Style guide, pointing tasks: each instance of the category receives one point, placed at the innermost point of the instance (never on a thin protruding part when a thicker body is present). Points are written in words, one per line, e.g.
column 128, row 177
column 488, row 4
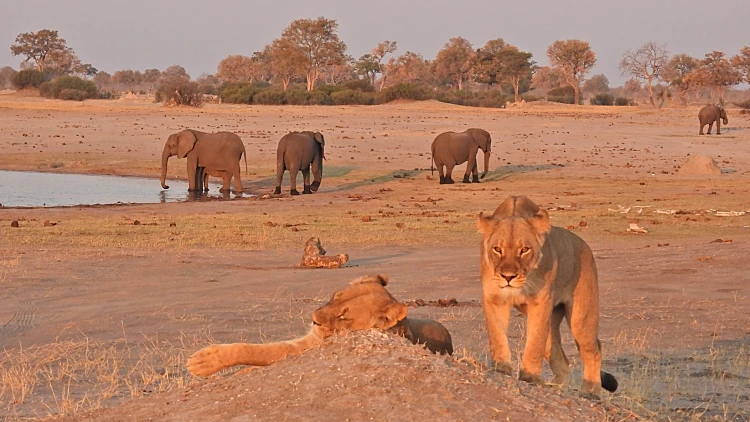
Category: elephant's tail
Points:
column 432, row 161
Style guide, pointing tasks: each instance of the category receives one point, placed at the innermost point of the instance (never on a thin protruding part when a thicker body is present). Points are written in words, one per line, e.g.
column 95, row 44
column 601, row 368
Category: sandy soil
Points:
column 112, row 309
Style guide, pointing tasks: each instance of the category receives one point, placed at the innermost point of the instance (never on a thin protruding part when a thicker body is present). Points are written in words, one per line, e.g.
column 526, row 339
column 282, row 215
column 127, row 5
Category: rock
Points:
column 367, row 219
column 400, row 225
column 136, row 222
column 700, row 165
column 47, row 223
column 14, row 223
column 172, row 224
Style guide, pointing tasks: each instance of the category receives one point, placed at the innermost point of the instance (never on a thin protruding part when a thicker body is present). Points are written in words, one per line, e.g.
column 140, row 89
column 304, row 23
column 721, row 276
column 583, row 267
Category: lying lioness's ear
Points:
column 540, row 222
column 383, row 279
column 484, row 223
column 392, row 314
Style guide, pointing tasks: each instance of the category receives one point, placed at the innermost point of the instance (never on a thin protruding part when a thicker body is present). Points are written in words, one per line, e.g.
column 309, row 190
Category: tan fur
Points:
column 547, row 273
column 313, row 256
column 363, row 304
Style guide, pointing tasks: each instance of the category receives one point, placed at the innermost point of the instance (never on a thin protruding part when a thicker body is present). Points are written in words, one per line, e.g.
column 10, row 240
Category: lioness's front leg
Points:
column 212, row 359
column 497, row 315
column 537, row 329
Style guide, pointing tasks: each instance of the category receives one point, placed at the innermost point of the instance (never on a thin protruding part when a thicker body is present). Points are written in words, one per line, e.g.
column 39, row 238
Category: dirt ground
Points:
column 97, row 311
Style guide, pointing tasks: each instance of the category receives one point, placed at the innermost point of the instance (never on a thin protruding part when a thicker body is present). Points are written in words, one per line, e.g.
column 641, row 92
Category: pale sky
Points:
column 140, row 34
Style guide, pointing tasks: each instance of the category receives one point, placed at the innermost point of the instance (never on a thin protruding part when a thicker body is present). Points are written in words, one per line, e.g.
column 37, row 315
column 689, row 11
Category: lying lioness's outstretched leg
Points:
column 554, row 353
column 212, row 359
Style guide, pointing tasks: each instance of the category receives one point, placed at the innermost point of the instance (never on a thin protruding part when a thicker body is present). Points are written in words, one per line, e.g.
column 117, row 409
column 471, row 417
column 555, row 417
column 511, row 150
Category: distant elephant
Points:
column 710, row 114
column 452, row 148
column 219, row 152
column 298, row 151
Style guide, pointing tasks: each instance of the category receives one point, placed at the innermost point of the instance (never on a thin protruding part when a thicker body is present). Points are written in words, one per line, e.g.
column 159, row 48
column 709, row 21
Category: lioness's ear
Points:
column 392, row 314
column 383, row 279
column 540, row 222
column 484, row 223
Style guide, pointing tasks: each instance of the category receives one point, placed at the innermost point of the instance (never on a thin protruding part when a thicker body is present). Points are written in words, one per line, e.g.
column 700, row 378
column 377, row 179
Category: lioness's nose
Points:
column 508, row 277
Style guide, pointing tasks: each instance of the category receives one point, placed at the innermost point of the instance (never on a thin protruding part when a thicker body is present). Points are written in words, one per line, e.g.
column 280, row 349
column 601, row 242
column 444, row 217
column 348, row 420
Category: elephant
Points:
column 710, row 114
column 219, row 153
column 300, row 151
column 452, row 148
column 224, row 175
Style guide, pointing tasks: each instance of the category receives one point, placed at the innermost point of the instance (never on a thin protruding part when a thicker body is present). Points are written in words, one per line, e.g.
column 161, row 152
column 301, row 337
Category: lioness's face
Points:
column 511, row 250
column 364, row 304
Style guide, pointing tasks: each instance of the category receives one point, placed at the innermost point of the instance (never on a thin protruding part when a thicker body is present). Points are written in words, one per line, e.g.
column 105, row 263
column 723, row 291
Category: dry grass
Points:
column 67, row 377
column 7, row 268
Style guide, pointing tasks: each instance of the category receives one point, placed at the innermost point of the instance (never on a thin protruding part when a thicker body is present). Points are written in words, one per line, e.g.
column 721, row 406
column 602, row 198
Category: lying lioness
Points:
column 362, row 305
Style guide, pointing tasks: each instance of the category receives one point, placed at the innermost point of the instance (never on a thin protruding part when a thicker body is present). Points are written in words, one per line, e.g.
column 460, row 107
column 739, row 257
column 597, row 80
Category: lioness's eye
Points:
column 498, row 250
column 525, row 249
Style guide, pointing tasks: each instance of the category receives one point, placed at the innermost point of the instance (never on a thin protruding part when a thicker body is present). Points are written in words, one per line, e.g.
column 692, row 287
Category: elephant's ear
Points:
column 483, row 139
column 319, row 137
column 185, row 142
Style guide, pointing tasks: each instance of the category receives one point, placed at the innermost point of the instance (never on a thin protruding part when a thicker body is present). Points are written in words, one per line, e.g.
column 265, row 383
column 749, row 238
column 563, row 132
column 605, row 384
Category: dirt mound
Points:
column 700, row 165
column 363, row 376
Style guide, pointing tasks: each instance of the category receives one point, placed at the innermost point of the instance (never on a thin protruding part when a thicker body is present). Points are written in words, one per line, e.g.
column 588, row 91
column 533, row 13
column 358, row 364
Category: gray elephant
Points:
column 219, row 152
column 710, row 114
column 452, row 148
column 299, row 151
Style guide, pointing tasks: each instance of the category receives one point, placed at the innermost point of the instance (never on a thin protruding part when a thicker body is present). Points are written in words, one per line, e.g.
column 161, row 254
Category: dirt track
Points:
column 675, row 315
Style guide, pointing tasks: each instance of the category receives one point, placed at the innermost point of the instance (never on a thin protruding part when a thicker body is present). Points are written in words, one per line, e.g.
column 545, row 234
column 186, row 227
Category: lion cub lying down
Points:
column 548, row 274
column 363, row 304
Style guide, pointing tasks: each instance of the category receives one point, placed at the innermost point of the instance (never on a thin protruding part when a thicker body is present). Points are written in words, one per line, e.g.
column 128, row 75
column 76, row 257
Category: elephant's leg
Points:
column 279, row 175
column 205, row 181
column 441, row 172
column 474, row 174
column 701, row 131
column 192, row 172
column 237, row 180
column 293, row 181
column 448, row 172
column 718, row 127
column 710, row 126
column 306, row 181
column 227, row 178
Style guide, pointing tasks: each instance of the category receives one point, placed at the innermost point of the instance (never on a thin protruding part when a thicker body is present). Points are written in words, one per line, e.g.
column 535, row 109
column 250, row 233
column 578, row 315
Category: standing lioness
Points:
column 547, row 273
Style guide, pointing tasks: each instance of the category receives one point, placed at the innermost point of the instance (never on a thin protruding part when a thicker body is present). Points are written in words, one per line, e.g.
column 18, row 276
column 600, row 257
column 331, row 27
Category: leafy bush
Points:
column 490, row 99
column 270, row 96
column 238, row 93
column 180, row 91
column 350, row 97
column 83, row 89
column 602, row 100
column 29, row 78
column 319, row 98
column 330, row 89
column 73, row 94
column 564, row 95
column 297, row 97
column 403, row 91
column 744, row 105
column 363, row 85
column 622, row 101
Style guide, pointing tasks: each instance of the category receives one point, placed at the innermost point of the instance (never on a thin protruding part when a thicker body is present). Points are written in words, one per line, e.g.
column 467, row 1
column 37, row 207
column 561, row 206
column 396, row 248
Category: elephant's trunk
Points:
column 486, row 163
column 164, row 158
column 726, row 121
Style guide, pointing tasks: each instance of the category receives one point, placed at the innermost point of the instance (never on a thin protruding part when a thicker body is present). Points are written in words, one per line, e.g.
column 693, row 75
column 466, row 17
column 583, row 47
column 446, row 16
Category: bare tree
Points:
column 317, row 46
column 597, row 84
column 547, row 78
column 574, row 59
column 102, row 79
column 455, row 61
column 127, row 78
column 409, row 67
column 6, row 73
column 645, row 64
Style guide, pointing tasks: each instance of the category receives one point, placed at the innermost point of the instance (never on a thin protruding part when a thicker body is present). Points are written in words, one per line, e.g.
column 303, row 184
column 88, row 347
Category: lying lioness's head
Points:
column 364, row 304
column 512, row 241
column 314, row 248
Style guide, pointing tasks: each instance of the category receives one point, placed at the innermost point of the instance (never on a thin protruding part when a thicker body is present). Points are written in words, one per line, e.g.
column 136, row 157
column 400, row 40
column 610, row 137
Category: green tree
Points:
column 646, row 64
column 455, row 61
column 487, row 68
column 314, row 45
column 368, row 67
column 38, row 46
column 282, row 61
column 742, row 63
column 715, row 72
column 676, row 73
column 597, row 84
column 515, row 66
column 574, row 59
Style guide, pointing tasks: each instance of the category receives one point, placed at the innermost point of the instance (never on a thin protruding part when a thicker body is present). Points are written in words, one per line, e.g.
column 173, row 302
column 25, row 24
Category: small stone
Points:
column 294, row 229
column 400, row 225
column 366, row 219
column 136, row 222
column 173, row 224
column 14, row 223
column 47, row 223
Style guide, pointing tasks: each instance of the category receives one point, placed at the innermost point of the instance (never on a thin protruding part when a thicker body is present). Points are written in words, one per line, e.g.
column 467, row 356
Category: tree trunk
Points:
column 517, row 97
column 460, row 83
column 577, row 90
column 285, row 82
column 650, row 91
column 312, row 77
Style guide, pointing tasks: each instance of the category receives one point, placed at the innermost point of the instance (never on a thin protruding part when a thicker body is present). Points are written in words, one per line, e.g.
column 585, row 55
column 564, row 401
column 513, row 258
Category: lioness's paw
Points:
column 503, row 368
column 205, row 362
column 530, row 378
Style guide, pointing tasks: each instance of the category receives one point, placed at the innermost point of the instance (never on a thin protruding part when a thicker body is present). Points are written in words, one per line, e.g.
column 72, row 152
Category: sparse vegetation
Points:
column 602, row 100
column 29, row 78
column 69, row 88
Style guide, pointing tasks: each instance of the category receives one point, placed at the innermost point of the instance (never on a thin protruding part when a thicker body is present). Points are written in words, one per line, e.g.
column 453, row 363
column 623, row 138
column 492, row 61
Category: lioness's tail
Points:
column 609, row 382
column 212, row 359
